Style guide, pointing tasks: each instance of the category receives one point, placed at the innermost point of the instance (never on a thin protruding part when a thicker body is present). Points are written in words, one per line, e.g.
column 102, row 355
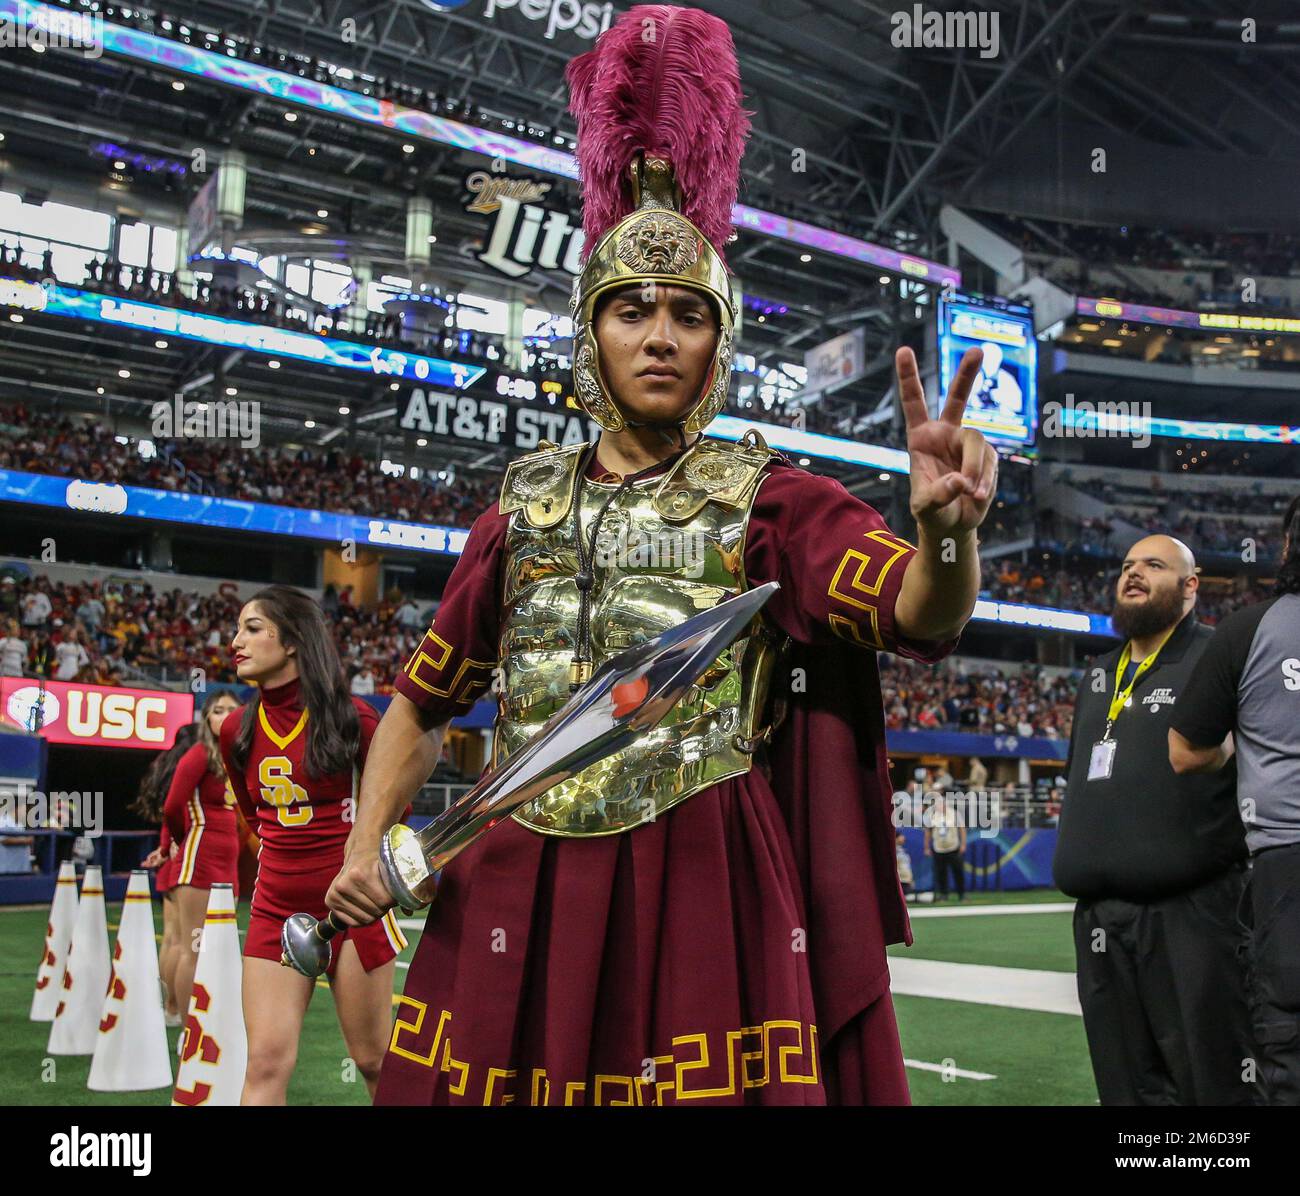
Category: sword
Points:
column 628, row 696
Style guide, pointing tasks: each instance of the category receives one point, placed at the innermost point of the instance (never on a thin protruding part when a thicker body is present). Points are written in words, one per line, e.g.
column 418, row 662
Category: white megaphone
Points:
column 214, row 1050
column 58, row 938
column 85, row 979
column 131, row 1054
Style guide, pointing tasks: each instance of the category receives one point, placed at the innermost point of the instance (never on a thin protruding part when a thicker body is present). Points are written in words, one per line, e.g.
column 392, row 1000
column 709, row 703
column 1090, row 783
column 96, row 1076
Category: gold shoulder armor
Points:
column 713, row 471
column 541, row 484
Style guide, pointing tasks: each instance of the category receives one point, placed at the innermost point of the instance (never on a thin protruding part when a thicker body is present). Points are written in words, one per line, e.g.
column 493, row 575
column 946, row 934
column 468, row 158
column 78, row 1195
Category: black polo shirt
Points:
column 1145, row 832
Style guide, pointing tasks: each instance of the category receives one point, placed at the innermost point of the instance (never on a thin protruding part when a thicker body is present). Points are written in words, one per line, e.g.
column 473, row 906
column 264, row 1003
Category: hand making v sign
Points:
column 954, row 470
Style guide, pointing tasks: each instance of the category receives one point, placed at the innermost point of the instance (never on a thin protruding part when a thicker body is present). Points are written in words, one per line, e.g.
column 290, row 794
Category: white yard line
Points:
column 981, row 984
column 975, row 911
column 411, row 923
column 960, row 1072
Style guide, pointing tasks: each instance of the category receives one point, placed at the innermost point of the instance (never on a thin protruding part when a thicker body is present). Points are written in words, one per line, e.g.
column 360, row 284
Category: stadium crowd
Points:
column 295, row 312
column 1082, row 585
column 1213, row 265
column 1207, row 535
column 334, row 480
column 120, row 633
column 329, row 480
column 978, row 699
column 322, row 479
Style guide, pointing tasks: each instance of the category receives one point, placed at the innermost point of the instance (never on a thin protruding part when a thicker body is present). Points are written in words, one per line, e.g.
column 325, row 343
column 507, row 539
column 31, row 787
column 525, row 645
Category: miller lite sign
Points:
column 522, row 235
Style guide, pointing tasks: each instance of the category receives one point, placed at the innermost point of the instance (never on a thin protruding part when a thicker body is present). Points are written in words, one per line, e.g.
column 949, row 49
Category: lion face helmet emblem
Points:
column 661, row 243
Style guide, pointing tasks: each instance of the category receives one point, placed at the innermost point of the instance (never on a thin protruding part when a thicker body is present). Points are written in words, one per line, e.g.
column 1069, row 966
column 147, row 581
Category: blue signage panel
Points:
column 56, row 300
column 229, row 514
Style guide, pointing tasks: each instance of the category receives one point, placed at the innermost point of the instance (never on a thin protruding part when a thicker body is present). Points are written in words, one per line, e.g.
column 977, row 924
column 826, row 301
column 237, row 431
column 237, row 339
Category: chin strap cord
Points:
column 585, row 579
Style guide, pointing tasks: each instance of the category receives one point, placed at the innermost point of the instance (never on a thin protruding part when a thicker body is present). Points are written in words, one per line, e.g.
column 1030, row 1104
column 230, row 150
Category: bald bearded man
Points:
column 1156, row 860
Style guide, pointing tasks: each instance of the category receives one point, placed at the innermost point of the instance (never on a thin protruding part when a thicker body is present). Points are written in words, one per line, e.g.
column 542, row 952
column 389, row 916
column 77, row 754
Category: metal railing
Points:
column 983, row 812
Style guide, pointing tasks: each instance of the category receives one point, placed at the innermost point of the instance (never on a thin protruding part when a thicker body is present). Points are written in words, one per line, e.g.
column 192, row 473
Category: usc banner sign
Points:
column 99, row 715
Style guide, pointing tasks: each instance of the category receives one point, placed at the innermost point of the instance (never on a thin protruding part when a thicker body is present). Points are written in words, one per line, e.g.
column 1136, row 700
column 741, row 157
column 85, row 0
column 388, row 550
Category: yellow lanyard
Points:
column 1121, row 698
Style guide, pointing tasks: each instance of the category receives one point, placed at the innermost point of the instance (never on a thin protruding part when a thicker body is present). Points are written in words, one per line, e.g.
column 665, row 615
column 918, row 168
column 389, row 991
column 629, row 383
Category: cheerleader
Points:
column 199, row 815
column 149, row 805
column 294, row 755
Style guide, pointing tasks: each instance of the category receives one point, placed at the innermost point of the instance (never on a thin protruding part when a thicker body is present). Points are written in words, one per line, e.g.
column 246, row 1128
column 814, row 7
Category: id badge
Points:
column 1101, row 760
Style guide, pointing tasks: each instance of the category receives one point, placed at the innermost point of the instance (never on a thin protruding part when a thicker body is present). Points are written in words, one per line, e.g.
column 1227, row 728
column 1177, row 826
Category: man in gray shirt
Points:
column 1247, row 683
column 91, row 611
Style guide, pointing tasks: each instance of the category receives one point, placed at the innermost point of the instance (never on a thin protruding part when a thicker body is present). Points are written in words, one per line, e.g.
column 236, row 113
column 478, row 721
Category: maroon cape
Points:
column 732, row 951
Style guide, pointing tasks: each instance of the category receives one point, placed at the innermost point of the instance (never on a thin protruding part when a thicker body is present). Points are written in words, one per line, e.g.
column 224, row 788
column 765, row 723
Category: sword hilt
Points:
column 305, row 943
column 330, row 927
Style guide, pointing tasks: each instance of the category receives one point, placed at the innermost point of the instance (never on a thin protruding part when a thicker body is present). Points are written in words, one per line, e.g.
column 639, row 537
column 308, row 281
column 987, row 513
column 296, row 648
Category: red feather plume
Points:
column 662, row 81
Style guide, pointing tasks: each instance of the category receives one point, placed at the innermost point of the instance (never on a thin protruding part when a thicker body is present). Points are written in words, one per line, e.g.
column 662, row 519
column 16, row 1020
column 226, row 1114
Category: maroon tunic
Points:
column 733, row 950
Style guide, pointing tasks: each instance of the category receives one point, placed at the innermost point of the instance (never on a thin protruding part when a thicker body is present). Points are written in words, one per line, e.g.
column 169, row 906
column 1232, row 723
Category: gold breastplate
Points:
column 668, row 547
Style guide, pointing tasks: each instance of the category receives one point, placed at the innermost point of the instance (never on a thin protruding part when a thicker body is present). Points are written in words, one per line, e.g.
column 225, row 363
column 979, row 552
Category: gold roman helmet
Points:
column 655, row 244
column 660, row 136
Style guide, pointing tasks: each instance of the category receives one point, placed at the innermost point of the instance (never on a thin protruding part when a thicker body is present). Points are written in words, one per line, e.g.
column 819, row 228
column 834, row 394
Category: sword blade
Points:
column 628, row 696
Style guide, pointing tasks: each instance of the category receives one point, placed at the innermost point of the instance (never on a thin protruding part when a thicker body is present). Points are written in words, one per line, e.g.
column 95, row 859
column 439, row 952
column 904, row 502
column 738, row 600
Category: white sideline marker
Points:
column 960, row 1072
column 214, row 1044
column 976, row 911
column 983, row 984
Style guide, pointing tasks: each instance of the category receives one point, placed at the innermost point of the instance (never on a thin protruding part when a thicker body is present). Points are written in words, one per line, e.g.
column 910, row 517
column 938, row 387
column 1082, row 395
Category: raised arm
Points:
column 954, row 475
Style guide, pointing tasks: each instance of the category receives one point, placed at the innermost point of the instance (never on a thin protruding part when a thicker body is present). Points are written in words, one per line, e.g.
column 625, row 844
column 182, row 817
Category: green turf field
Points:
column 318, row 1080
column 1006, row 941
column 1034, row 1057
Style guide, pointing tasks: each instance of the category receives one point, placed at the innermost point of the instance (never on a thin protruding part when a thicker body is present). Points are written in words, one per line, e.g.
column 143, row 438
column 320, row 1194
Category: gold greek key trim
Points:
column 750, row 1053
column 848, row 629
column 897, row 546
column 451, row 1064
column 460, row 686
column 414, row 1027
column 495, row 1074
